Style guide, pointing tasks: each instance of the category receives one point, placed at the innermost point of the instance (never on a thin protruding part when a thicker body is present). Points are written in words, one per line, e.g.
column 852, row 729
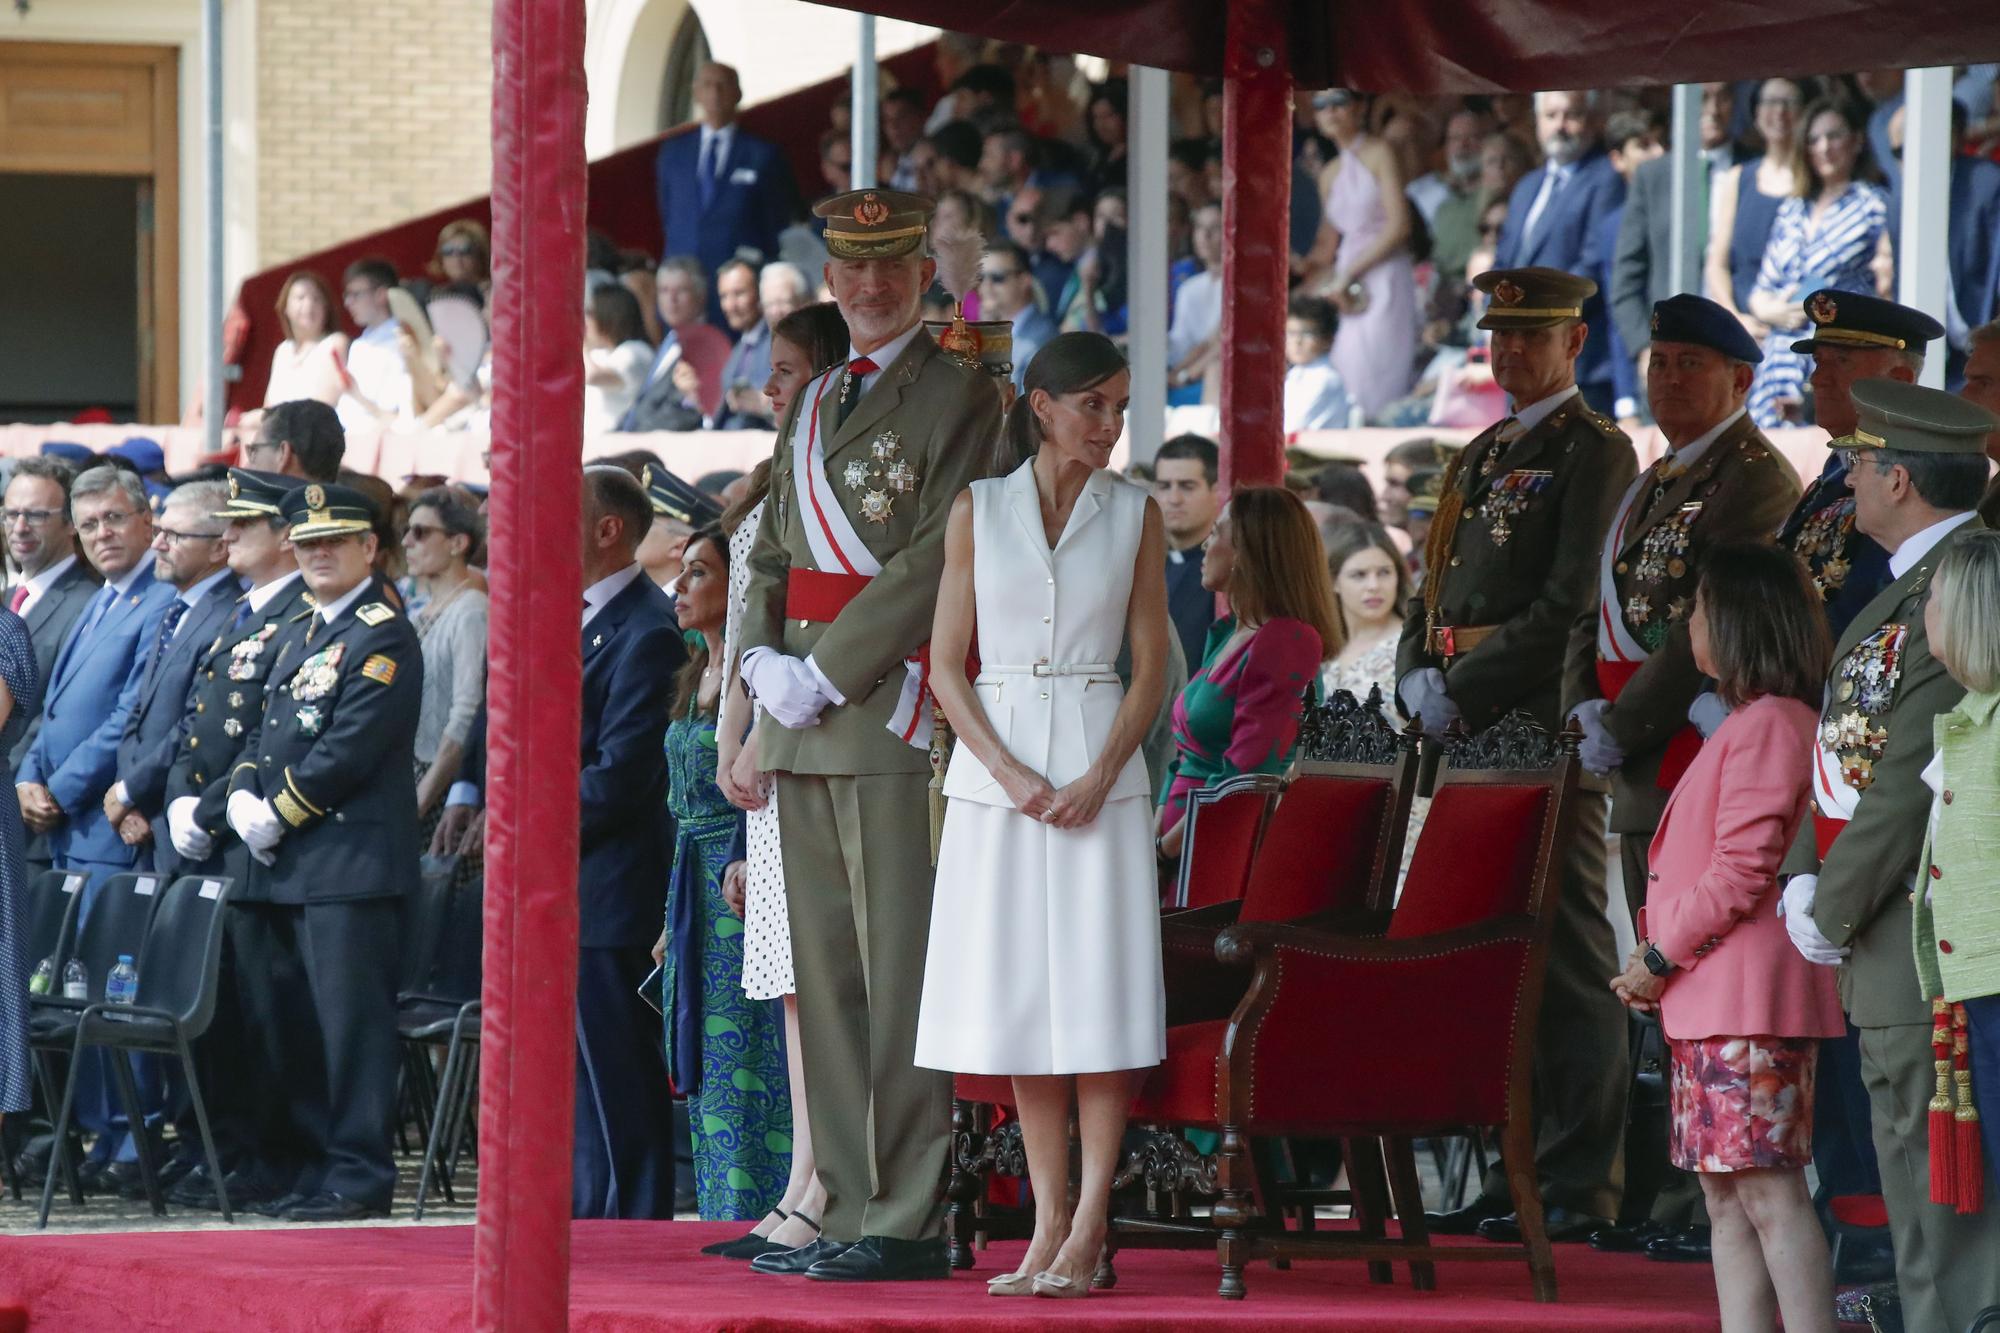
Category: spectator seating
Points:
column 438, row 1009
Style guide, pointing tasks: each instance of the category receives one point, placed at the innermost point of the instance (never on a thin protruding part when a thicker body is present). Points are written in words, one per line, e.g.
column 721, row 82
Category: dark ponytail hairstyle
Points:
column 1067, row 363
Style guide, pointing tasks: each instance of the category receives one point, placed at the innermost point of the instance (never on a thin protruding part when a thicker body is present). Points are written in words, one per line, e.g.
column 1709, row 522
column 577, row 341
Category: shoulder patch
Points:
column 380, row 668
column 374, row 613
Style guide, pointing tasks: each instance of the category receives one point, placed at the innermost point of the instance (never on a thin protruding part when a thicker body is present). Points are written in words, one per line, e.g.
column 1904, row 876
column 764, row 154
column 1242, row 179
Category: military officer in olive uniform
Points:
column 1854, row 337
column 843, row 584
column 325, row 798
column 1915, row 463
column 241, row 1051
column 1511, row 563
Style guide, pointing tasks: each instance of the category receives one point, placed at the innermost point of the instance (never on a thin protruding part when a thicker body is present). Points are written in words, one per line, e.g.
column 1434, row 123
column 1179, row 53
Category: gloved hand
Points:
column 262, row 857
column 254, row 821
column 786, row 687
column 1598, row 753
column 1796, row 907
column 1708, row 712
column 1423, row 696
column 189, row 839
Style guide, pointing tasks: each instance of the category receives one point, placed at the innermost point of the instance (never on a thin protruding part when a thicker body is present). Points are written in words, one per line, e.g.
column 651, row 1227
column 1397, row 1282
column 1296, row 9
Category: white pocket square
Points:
column 743, row 176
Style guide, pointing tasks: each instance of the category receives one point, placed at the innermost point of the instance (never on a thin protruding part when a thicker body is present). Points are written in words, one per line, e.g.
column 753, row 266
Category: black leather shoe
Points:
column 246, row 1187
column 1626, row 1239
column 792, row 1263
column 1465, row 1221
column 326, row 1206
column 1685, row 1245
column 885, row 1259
column 278, row 1206
column 1561, row 1224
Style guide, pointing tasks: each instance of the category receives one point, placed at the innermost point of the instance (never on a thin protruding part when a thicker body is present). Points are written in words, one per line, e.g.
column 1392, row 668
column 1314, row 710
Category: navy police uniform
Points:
column 334, row 757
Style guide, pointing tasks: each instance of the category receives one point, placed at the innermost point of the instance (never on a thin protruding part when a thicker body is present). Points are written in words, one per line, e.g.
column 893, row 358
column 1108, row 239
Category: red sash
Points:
column 1682, row 746
column 1825, row 830
column 813, row 594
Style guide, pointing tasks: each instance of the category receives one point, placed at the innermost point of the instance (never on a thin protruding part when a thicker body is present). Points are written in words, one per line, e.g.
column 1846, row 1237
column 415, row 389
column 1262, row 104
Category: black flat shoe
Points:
column 885, row 1259
column 723, row 1247
column 328, row 1206
column 1465, row 1221
column 1560, row 1224
column 1630, row 1239
column 1683, row 1245
column 793, row 1263
column 754, row 1246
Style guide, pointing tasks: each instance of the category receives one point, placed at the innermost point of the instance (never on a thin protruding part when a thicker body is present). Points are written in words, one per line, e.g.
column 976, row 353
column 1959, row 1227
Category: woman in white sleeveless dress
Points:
column 1044, row 958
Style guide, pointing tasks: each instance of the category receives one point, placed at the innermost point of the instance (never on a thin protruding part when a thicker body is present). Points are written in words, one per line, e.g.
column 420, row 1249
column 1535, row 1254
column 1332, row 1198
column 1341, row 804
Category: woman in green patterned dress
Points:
column 723, row 1048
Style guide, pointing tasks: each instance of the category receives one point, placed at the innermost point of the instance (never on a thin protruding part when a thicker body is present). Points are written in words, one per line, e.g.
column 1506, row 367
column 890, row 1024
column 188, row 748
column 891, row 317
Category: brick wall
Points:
column 368, row 112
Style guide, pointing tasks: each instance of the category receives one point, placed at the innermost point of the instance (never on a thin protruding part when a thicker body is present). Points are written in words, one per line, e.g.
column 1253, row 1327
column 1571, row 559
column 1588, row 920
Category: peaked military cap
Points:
column 673, row 498
column 1850, row 319
column 1890, row 414
column 322, row 509
column 255, row 494
column 1532, row 298
column 874, row 224
column 1687, row 318
column 1426, row 491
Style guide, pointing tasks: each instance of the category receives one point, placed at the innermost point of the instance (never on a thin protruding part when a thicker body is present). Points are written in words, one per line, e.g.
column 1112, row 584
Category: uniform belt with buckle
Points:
column 1450, row 641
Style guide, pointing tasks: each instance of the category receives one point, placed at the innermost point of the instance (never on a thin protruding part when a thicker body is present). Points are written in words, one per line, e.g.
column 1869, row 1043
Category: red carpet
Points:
column 634, row 1276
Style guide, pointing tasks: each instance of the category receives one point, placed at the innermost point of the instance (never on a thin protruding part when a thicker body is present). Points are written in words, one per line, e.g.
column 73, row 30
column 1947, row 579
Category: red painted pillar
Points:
column 528, row 1048
column 1256, row 212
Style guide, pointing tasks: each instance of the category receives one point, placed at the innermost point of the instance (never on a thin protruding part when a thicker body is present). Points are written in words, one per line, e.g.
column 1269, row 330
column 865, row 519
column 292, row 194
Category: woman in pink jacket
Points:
column 1742, row 1011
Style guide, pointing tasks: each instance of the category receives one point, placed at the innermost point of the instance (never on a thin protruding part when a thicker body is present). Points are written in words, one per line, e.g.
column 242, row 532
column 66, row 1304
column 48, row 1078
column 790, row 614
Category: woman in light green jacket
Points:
column 1957, row 905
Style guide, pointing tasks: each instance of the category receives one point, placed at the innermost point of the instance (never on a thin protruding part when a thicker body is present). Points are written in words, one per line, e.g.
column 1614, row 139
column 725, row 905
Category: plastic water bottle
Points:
column 76, row 980
column 122, row 986
column 44, row 978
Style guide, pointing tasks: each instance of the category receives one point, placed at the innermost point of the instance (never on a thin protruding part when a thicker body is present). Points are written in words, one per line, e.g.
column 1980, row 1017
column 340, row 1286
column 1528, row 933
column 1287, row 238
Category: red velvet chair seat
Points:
column 1182, row 1089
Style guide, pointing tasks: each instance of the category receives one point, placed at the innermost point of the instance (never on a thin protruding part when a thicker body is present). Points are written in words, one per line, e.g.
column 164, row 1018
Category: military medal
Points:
column 243, row 657
column 1669, row 539
column 311, row 720
column 1679, row 608
column 875, row 506
column 1638, row 609
column 1822, row 543
column 236, row 698
column 1508, row 498
column 317, row 676
column 855, row 474
column 881, row 477
column 902, row 477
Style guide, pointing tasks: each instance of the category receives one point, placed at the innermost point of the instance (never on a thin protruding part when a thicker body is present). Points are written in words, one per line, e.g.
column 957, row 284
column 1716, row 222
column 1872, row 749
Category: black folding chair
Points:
column 422, row 922
column 447, row 1013
column 50, row 932
column 121, row 910
column 179, row 966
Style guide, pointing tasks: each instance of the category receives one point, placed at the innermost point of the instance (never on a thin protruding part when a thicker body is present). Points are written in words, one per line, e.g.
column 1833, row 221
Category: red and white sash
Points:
column 1615, row 640
column 838, row 549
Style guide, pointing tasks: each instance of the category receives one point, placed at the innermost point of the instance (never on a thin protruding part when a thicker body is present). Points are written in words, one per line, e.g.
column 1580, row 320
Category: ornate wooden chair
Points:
column 1424, row 1030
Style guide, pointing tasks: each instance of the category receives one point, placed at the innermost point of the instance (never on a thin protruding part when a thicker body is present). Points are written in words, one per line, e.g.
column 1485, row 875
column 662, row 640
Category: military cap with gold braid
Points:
column 673, row 498
column 255, row 494
column 1532, row 298
column 1890, row 414
column 1850, row 319
column 874, row 224
column 321, row 509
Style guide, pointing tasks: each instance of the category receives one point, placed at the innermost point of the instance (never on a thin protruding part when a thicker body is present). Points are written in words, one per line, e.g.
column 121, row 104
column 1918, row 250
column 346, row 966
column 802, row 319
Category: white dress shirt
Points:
column 190, row 595
column 883, row 356
column 262, row 595
column 1685, row 456
column 599, row 594
column 1919, row 544
column 332, row 611
column 1535, row 413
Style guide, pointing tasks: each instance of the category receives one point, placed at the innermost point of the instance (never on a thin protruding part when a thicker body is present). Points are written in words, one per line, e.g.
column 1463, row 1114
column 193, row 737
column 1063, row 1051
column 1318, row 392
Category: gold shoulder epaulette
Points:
column 374, row 613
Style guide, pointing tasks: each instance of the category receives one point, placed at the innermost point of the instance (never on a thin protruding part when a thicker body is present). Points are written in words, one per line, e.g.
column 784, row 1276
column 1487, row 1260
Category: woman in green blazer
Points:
column 1957, row 906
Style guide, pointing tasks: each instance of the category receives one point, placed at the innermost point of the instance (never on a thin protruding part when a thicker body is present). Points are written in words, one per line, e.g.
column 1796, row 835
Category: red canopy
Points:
column 1484, row 46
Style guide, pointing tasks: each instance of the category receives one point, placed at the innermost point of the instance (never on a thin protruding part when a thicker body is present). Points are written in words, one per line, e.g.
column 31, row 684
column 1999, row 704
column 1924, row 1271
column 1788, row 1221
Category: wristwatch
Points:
column 1656, row 962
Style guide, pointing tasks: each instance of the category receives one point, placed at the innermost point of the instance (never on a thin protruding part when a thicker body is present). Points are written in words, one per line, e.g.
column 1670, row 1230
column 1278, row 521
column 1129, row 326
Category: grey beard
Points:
column 1562, row 149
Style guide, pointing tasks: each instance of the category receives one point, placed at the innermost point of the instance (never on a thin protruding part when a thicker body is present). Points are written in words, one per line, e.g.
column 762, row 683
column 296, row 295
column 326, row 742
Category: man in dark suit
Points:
column 54, row 584
column 1556, row 215
column 188, row 553
column 325, row 797
column 721, row 191
column 623, row 1156
column 242, row 1053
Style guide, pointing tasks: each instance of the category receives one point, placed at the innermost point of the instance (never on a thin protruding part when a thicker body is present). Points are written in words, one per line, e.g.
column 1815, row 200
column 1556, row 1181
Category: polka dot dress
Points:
column 767, row 926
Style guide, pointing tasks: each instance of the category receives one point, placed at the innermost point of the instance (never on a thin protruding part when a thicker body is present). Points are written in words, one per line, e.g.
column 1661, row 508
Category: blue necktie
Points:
column 166, row 634
column 242, row 614
column 99, row 604
column 705, row 172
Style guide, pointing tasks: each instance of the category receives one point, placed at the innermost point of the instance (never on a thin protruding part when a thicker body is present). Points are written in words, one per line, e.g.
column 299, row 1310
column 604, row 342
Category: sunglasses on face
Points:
column 1327, row 101
column 456, row 250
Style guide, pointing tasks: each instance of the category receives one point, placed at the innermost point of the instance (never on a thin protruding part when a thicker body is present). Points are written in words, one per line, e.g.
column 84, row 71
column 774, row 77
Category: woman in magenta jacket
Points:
column 1742, row 1011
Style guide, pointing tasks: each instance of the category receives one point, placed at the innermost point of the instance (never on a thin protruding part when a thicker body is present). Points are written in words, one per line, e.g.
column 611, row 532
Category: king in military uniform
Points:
column 1915, row 464
column 242, row 1050
column 324, row 796
column 1854, row 337
column 1510, row 563
column 843, row 584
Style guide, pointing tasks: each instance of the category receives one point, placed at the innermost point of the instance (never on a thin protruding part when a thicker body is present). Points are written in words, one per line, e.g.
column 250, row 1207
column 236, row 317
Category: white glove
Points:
column 786, row 687
column 254, row 821
column 262, row 857
column 1424, row 698
column 1796, row 907
column 1708, row 713
column 1598, row 753
column 189, row 839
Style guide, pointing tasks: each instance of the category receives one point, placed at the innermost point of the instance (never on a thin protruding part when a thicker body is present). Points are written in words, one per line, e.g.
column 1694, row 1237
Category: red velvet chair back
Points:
column 1324, row 847
column 1224, row 824
column 1476, row 858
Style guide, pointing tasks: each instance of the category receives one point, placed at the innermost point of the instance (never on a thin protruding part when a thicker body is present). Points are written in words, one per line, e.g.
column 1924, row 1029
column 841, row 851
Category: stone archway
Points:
column 629, row 48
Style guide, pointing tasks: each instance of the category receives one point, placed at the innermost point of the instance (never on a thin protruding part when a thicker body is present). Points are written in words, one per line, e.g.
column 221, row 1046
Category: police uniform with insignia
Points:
column 674, row 498
column 1855, row 866
column 1509, row 565
column 333, row 758
column 241, row 1051
column 844, row 582
column 1631, row 647
column 1847, row 567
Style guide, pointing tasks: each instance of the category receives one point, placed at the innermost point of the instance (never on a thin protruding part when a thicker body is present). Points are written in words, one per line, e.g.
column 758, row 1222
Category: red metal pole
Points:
column 528, row 1033
column 1256, row 208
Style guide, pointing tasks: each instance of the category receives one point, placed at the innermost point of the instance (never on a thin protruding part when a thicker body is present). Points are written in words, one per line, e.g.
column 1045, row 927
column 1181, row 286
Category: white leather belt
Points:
column 1050, row 669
